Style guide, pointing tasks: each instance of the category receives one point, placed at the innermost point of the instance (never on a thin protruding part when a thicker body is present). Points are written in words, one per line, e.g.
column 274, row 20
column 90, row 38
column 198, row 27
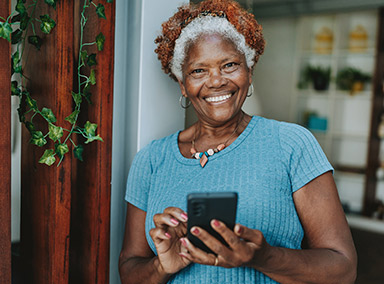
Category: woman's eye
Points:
column 197, row 71
column 231, row 66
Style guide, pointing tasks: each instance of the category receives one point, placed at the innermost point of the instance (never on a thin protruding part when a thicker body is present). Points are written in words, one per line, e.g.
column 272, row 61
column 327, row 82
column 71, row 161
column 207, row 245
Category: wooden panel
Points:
column 5, row 153
column 90, row 229
column 46, row 191
column 377, row 111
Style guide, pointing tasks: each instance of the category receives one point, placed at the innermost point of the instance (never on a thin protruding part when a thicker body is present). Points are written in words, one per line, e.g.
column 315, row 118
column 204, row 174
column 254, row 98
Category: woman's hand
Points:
column 170, row 227
column 247, row 247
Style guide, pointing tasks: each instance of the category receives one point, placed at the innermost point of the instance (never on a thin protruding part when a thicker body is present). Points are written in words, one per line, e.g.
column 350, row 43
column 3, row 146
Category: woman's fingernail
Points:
column 195, row 231
column 182, row 255
column 174, row 221
column 183, row 242
column 167, row 235
column 184, row 216
column 216, row 223
column 239, row 229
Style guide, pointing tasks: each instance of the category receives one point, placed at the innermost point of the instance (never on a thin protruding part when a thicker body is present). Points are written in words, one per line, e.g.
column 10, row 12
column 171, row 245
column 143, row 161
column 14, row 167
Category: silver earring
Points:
column 250, row 91
column 187, row 104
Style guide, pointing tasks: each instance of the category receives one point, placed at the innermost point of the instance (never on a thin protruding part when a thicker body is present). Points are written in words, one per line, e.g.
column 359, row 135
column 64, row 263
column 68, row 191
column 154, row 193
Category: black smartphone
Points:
column 203, row 207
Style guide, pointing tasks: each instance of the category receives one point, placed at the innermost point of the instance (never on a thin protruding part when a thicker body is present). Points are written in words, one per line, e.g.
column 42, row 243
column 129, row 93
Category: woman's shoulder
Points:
column 157, row 147
column 286, row 134
column 279, row 128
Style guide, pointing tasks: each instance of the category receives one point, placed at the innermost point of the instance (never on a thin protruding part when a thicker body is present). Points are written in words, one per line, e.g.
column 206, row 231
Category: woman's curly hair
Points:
column 243, row 21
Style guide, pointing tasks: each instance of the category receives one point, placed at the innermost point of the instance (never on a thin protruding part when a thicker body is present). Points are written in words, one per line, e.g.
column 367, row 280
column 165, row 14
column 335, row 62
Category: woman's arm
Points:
column 330, row 256
column 137, row 262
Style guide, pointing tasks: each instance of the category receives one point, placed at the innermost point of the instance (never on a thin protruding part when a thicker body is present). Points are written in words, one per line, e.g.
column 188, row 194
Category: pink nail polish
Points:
column 239, row 229
column 216, row 223
column 167, row 235
column 174, row 221
column 184, row 216
column 195, row 231
column 183, row 242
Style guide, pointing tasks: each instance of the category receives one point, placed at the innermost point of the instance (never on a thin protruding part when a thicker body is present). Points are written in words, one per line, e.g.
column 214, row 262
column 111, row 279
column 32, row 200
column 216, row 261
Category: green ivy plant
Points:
column 14, row 29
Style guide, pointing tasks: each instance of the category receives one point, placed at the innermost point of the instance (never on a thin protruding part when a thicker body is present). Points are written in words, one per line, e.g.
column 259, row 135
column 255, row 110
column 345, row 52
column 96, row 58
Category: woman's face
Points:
column 215, row 78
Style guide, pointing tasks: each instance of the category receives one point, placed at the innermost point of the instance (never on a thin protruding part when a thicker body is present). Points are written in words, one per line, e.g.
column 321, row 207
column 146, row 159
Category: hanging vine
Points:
column 14, row 29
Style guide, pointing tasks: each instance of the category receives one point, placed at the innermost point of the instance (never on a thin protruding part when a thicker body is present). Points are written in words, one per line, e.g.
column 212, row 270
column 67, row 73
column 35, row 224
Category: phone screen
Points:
column 203, row 207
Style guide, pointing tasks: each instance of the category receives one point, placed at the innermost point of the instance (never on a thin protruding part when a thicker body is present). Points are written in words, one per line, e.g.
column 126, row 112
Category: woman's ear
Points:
column 182, row 88
column 250, row 75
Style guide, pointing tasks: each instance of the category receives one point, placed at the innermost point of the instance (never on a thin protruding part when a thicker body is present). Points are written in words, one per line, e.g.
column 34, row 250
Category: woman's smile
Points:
column 216, row 79
column 218, row 99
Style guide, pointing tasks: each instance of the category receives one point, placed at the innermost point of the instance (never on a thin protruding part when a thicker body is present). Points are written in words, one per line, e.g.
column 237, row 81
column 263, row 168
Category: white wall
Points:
column 273, row 74
column 146, row 103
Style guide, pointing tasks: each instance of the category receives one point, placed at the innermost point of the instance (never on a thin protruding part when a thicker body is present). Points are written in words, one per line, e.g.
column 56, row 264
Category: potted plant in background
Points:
column 319, row 76
column 352, row 79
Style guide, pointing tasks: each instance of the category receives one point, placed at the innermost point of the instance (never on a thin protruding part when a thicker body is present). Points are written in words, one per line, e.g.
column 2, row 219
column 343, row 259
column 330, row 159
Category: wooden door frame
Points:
column 5, row 152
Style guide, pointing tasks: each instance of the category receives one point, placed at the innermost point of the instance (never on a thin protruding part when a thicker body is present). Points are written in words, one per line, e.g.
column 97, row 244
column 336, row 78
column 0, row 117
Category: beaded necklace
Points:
column 203, row 156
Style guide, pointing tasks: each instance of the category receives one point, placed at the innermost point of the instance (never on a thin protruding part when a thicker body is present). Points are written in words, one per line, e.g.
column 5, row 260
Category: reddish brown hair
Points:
column 243, row 21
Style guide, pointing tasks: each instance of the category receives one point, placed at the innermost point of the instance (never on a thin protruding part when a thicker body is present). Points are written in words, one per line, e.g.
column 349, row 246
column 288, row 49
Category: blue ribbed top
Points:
column 267, row 163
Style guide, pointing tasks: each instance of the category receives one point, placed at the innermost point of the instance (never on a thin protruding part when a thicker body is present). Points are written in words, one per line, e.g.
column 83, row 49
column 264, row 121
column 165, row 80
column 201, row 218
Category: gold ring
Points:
column 216, row 261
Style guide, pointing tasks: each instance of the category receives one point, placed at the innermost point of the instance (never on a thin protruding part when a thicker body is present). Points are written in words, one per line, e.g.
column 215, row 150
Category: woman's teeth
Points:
column 218, row 99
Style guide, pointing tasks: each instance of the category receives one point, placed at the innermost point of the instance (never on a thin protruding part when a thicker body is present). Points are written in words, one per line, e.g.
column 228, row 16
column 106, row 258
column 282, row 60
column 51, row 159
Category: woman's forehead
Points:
column 212, row 45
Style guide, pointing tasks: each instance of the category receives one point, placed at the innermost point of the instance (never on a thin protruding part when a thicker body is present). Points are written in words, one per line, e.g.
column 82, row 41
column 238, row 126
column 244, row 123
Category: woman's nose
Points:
column 216, row 79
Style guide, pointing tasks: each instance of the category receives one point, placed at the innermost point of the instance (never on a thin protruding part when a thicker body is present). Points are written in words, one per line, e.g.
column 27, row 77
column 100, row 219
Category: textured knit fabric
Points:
column 267, row 163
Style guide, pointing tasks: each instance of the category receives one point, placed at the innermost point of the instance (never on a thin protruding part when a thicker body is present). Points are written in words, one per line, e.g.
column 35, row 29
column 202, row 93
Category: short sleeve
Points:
column 139, row 178
column 304, row 157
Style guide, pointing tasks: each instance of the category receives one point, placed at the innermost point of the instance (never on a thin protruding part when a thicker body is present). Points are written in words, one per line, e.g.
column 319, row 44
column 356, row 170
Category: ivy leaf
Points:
column 5, row 31
column 90, row 131
column 51, row 3
column 30, row 126
column 90, row 128
column 84, row 56
column 20, row 7
column 55, row 132
column 78, row 152
column 93, row 138
column 20, row 112
column 48, row 114
column 47, row 24
column 15, row 67
column 15, row 91
column 31, row 103
column 16, row 58
column 61, row 149
column 16, row 36
column 92, row 60
column 92, row 77
column 35, row 40
column 100, row 11
column 100, row 39
column 87, row 93
column 38, row 139
column 24, row 21
column 16, row 18
column 72, row 117
column 77, row 98
column 48, row 158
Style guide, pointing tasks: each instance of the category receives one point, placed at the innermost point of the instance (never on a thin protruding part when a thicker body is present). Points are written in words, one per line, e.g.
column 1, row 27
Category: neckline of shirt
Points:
column 232, row 146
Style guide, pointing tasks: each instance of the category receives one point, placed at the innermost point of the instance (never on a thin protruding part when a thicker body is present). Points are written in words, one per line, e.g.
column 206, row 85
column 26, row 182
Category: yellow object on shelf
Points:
column 358, row 39
column 324, row 41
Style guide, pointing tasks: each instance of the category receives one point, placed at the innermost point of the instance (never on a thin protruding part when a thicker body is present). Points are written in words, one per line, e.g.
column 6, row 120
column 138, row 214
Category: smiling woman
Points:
column 290, row 224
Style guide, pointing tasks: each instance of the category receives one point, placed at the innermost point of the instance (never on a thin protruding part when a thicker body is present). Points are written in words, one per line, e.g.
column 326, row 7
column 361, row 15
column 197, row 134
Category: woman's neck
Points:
column 207, row 135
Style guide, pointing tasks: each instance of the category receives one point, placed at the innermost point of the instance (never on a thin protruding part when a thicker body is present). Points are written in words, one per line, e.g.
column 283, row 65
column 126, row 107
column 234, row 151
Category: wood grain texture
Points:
column 90, row 232
column 5, row 153
column 46, row 191
column 377, row 110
